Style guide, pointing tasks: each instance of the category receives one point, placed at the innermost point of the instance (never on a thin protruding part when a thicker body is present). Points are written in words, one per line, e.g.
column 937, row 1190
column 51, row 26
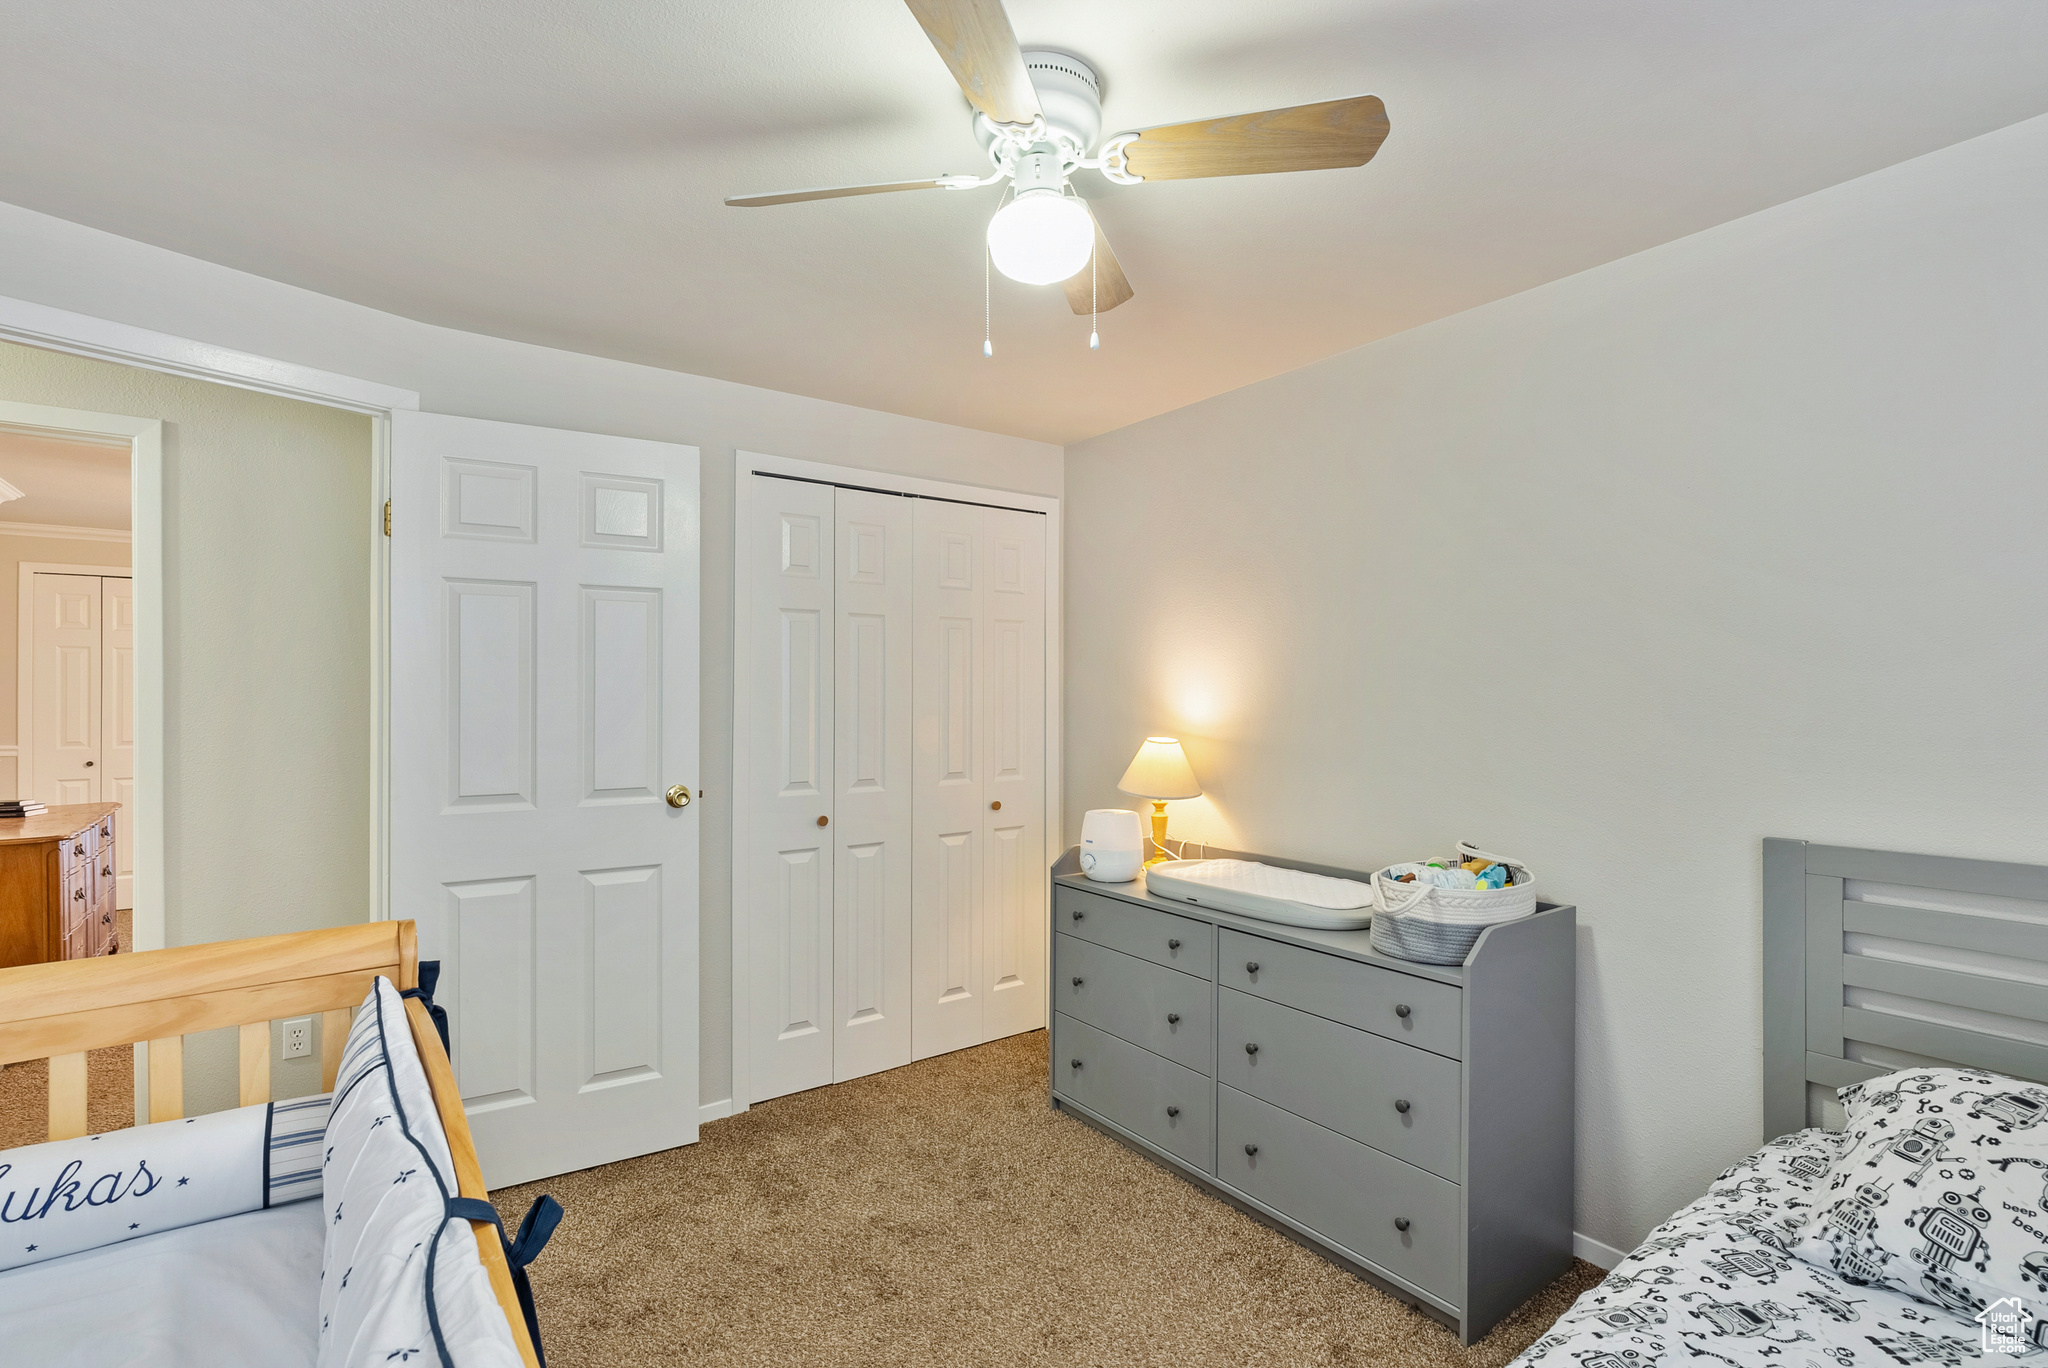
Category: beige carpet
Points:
column 110, row 1087
column 944, row 1214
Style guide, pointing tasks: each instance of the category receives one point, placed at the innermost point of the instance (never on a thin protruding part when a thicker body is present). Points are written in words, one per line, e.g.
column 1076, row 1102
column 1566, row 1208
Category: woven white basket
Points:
column 1460, row 906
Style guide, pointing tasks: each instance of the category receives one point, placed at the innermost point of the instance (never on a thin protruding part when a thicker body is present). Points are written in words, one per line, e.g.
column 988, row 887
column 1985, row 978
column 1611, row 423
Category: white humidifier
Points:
column 1112, row 848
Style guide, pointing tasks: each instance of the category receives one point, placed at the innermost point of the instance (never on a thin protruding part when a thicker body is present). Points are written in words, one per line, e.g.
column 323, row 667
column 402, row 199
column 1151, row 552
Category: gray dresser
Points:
column 1411, row 1122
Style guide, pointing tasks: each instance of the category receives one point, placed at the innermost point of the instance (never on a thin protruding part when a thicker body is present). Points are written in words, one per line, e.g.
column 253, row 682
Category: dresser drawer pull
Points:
column 1077, row 980
column 1251, row 1150
column 1251, row 1047
column 1173, row 1111
column 1251, row 966
column 1400, row 1223
column 1173, row 944
column 1075, row 1062
column 1401, row 1105
column 1173, row 1018
column 1402, row 1010
column 79, row 894
column 78, row 849
column 1077, row 914
column 106, row 871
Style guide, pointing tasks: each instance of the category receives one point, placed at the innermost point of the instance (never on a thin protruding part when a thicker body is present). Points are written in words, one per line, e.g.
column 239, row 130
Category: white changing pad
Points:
column 1292, row 897
column 242, row 1292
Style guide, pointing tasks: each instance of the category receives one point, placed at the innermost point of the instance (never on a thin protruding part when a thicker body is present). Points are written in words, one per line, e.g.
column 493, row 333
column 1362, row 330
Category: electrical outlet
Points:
column 298, row 1038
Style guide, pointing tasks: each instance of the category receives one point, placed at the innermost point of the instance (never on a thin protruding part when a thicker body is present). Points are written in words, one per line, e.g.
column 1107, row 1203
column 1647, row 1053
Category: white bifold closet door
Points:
column 978, row 920
column 829, row 796
column 892, row 779
column 543, row 702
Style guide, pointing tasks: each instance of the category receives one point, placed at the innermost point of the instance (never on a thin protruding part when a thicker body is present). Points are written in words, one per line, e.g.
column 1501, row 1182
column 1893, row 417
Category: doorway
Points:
column 68, row 520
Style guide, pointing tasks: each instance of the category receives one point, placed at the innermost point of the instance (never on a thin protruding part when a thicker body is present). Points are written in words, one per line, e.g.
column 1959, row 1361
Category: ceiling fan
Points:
column 1039, row 115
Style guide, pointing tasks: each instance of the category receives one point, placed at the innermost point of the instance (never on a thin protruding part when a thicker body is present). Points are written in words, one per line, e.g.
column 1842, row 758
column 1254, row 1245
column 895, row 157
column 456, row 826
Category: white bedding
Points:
column 1715, row 1283
column 240, row 1292
column 1293, row 897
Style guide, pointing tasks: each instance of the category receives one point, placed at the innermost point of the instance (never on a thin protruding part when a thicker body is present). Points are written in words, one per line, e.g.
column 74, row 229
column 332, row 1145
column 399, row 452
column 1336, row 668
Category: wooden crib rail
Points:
column 60, row 1011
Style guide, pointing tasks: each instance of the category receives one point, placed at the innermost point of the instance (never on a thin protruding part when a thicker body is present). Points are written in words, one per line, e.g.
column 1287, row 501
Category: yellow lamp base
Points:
column 1158, row 834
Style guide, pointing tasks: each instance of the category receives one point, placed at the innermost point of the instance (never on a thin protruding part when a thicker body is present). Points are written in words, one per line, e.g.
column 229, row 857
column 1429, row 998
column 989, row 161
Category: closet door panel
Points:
column 948, row 831
column 873, row 608
column 791, row 692
column 66, row 677
column 1013, row 901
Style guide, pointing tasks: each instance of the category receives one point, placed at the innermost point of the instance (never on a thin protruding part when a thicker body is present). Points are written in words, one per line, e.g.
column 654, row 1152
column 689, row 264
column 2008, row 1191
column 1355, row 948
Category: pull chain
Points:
column 988, row 332
column 1094, row 338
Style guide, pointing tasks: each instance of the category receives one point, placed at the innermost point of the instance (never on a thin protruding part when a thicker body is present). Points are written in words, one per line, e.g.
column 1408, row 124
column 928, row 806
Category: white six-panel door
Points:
column 543, row 700
column 69, row 680
column 1014, row 858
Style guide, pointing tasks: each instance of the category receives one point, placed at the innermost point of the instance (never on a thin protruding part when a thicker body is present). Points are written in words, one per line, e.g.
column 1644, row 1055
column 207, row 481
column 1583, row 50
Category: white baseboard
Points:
column 714, row 1111
column 1595, row 1253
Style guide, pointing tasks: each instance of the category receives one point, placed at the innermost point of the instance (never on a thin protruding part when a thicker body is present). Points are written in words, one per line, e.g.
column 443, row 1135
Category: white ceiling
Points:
column 67, row 481
column 551, row 170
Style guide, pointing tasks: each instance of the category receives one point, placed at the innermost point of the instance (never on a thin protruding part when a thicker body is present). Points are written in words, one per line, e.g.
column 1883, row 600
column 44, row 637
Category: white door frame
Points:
column 39, row 325
column 745, row 464
column 24, row 667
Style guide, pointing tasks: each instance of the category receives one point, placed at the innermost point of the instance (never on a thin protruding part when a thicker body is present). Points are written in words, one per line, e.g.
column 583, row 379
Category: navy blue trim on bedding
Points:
column 269, row 1115
column 534, row 1231
column 405, row 1129
column 291, row 1149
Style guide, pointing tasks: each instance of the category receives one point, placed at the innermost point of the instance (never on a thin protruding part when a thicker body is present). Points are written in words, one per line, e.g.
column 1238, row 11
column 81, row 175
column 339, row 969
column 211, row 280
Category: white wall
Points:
column 49, row 261
column 1744, row 536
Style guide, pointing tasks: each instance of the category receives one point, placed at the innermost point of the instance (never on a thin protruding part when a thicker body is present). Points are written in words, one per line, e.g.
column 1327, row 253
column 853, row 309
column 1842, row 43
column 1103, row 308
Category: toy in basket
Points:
column 1433, row 911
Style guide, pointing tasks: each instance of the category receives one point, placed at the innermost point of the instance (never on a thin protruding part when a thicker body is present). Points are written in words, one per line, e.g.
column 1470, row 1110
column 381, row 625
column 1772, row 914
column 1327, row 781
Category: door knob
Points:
column 824, row 821
column 996, row 806
column 679, row 796
column 88, row 764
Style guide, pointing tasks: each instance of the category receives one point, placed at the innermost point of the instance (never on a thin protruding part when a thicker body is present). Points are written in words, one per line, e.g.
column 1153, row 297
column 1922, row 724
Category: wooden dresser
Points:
column 57, row 885
column 1411, row 1122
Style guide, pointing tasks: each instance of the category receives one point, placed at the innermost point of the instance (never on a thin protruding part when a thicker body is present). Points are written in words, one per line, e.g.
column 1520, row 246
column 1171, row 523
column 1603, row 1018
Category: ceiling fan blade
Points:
column 836, row 192
column 1310, row 137
column 1108, row 286
column 979, row 47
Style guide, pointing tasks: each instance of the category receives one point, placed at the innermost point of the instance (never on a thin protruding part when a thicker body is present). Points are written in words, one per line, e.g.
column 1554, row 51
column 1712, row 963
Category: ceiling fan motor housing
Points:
column 1071, row 98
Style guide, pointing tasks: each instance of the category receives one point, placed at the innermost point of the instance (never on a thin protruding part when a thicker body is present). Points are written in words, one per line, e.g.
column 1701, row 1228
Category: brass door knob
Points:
column 996, row 806
column 679, row 796
column 824, row 821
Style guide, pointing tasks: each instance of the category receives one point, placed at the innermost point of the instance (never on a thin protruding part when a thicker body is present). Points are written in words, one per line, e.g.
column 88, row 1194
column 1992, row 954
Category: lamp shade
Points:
column 1160, row 770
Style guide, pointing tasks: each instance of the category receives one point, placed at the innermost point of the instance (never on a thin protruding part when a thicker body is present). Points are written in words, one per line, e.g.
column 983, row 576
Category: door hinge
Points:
column 387, row 517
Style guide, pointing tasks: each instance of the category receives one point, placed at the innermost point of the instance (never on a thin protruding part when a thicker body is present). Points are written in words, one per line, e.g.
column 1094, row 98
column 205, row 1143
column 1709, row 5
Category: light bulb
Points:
column 1041, row 237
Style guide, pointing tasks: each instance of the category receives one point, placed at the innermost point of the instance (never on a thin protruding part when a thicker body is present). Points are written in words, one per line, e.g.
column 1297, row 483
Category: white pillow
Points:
column 1938, row 1192
column 401, row 1281
column 72, row 1195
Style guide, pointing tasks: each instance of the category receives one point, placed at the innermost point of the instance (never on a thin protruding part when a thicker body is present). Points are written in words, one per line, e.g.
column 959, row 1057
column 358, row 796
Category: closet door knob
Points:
column 1400, row 1223
column 1251, row 1047
column 1173, row 944
column 1251, row 1149
column 996, row 806
column 1401, row 1105
column 679, row 796
column 1173, row 1111
column 1401, row 1009
column 1173, row 1018
column 824, row 821
column 1252, row 967
column 1077, row 980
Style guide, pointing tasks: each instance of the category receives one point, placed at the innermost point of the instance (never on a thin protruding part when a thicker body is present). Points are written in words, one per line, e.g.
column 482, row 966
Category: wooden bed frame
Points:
column 1876, row 960
column 60, row 1011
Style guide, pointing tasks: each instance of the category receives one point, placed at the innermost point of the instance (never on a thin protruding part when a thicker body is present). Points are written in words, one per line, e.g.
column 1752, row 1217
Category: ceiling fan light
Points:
column 1041, row 237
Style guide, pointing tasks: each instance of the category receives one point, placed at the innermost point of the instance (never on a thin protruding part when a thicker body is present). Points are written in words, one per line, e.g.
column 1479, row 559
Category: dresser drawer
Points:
column 1176, row 942
column 76, row 898
column 1391, row 1096
column 1349, row 1193
column 1168, row 1013
column 1153, row 1098
column 1404, row 1007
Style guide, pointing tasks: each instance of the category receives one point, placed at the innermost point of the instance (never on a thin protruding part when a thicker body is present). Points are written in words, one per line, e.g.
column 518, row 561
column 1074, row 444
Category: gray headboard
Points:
column 1875, row 961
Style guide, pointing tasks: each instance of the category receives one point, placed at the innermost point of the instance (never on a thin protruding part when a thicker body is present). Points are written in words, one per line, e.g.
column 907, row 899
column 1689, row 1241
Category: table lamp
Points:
column 1160, row 772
